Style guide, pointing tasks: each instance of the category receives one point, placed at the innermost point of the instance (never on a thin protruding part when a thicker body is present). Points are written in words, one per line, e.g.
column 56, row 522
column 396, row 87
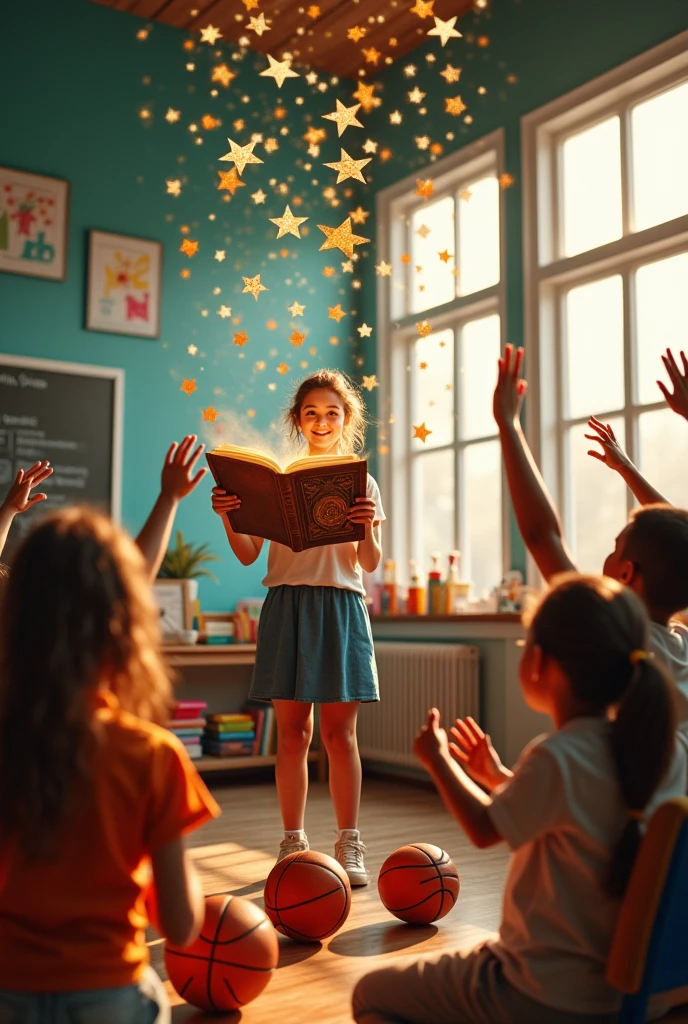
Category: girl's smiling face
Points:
column 321, row 420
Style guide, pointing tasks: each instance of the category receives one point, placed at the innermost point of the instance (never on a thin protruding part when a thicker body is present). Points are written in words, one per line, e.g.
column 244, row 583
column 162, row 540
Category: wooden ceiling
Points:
column 313, row 34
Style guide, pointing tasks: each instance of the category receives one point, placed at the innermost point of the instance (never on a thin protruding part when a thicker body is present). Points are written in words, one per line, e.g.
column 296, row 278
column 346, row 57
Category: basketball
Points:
column 307, row 896
column 231, row 961
column 418, row 883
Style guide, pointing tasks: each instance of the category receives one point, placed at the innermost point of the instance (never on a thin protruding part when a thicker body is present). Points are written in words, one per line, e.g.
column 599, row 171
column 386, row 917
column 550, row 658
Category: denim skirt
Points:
column 314, row 645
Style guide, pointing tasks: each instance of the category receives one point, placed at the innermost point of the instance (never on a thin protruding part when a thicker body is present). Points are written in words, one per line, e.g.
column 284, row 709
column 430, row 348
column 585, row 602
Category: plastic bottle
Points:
column 415, row 602
column 389, row 588
column 435, row 588
column 451, row 586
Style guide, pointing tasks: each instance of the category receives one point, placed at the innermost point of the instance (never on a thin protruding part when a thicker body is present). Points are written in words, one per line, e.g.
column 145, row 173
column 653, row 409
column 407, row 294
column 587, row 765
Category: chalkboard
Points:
column 71, row 415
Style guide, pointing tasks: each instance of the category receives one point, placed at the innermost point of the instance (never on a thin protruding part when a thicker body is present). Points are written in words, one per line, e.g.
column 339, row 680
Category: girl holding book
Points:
column 314, row 640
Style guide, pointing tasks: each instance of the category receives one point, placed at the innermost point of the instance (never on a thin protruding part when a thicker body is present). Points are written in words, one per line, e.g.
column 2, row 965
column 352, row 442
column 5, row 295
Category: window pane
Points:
column 432, row 231
column 481, row 506
column 661, row 290
column 663, row 447
column 433, row 499
column 480, row 347
column 597, row 500
column 591, row 187
column 659, row 139
column 432, row 379
column 478, row 264
column 594, row 378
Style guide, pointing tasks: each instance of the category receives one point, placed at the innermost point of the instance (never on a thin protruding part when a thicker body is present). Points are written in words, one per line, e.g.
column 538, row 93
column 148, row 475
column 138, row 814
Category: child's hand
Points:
column 678, row 401
column 473, row 749
column 362, row 511
column 223, row 502
column 19, row 497
column 176, row 481
column 510, row 389
column 612, row 453
column 431, row 743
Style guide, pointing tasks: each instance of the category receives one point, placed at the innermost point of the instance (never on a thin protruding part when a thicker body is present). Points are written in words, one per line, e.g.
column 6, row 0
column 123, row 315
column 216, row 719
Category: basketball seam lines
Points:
column 211, row 955
column 276, row 909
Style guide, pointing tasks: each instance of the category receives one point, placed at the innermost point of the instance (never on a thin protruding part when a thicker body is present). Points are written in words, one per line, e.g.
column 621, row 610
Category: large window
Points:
column 440, row 331
column 606, row 228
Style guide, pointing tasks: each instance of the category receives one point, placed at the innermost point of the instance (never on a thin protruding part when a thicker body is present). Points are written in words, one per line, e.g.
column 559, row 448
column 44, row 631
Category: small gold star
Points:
column 421, row 432
column 259, row 25
column 271, row 145
column 295, row 309
column 371, row 55
column 370, row 382
column 424, row 328
column 188, row 247
column 341, row 238
column 185, row 273
column 208, row 122
column 405, row 258
column 395, row 117
column 220, row 255
column 348, row 168
column 174, row 186
column 241, row 339
column 423, row 231
column 423, row 9
column 365, row 96
column 424, row 188
column 253, row 286
column 369, row 146
column 241, row 155
column 356, row 33
column 250, row 5
column 223, row 74
column 444, row 256
column 415, row 96
column 172, row 115
column 258, row 197
column 364, row 330
column 230, row 181
column 288, row 223
column 454, row 105
column 359, row 215
column 279, row 70
column 465, row 195
column 210, row 35
column 445, row 30
column 336, row 312
column 506, row 180
column 224, row 311
column 383, row 269
column 210, row 414
column 192, row 349
column 142, row 34
column 422, row 366
column 347, row 267
column 313, row 11
column 451, row 74
column 297, row 339
column 271, row 325
column 189, row 386
column 344, row 117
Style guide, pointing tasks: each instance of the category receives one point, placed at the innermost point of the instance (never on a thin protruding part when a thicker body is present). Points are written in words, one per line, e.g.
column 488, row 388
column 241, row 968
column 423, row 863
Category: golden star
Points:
column 422, row 366
column 364, row 330
column 348, row 168
column 210, row 414
column 259, row 24
column 383, row 269
column 172, row 115
column 192, row 349
column 295, row 309
column 174, row 186
column 454, row 105
column 395, row 117
column 271, row 145
column 279, row 70
column 313, row 11
column 359, row 215
column 405, row 258
column 222, row 74
column 185, row 273
column 282, row 368
column 371, row 55
column 370, row 382
column 224, row 311
column 365, row 96
column 188, row 247
column 210, row 35
column 241, row 155
column 423, row 231
column 421, row 432
column 189, row 386
column 451, row 74
column 356, row 33
column 230, row 181
column 297, row 339
column 423, row 9
column 424, row 188
column 369, row 146
column 253, row 286
column 347, row 267
column 258, row 197
column 415, row 96
column 336, row 312
column 344, row 117
column 422, row 141
column 424, row 328
column 444, row 256
column 250, row 5
column 272, row 325
column 241, row 339
column 288, row 223
column 315, row 135
column 445, row 30
column 220, row 255
column 341, row 238
column 506, row 180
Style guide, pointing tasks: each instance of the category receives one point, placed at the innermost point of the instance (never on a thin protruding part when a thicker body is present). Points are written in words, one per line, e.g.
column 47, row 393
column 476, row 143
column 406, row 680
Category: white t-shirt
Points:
column 670, row 645
column 332, row 565
column 562, row 815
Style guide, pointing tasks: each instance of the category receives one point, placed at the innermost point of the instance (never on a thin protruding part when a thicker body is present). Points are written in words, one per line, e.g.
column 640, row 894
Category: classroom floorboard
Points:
column 314, row 982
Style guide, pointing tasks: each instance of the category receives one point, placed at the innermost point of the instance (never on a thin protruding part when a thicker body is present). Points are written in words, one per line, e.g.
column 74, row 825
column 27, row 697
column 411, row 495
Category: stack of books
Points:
column 188, row 724
column 229, row 735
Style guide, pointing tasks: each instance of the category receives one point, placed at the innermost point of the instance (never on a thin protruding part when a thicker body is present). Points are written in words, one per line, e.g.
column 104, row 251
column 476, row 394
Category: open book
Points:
column 303, row 506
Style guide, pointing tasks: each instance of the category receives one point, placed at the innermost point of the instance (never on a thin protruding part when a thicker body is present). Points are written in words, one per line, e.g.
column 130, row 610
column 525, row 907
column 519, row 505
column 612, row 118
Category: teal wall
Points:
column 73, row 85
column 551, row 47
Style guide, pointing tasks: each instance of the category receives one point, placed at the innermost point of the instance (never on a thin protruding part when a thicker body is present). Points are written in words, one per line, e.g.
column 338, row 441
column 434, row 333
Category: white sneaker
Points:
column 349, row 850
column 293, row 842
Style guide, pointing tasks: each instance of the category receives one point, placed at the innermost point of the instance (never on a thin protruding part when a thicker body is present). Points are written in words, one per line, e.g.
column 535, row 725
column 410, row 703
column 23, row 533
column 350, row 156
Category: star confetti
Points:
column 241, row 155
column 344, row 117
column 421, row 432
column 347, row 267
column 416, row 96
column 370, row 382
column 172, row 115
column 188, row 247
column 395, row 117
column 241, row 339
column 283, row 368
column 365, row 96
column 424, row 188
column 188, row 386
column 451, row 74
column 174, row 186
column 250, row 5
column 271, row 145
column 423, row 9
column 364, row 330
column 253, row 286
column 348, row 167
column 297, row 338
column 315, row 135
column 222, row 74
column 208, row 122
column 506, row 180
column 224, row 311
column 328, row 271
column 336, row 312
column 465, row 195
column 210, row 414
column 295, row 309
column 423, row 231
column 371, row 55
column 356, row 33
column 444, row 256
column 210, row 35
column 258, row 197
column 192, row 349
column 230, row 181
column 272, row 325
column 259, row 25
column 383, row 269
column 220, row 255
column 424, row 328
column 288, row 223
column 454, row 105
column 341, row 238
column 369, row 146
column 279, row 70
column 445, row 30
column 359, row 215
column 313, row 11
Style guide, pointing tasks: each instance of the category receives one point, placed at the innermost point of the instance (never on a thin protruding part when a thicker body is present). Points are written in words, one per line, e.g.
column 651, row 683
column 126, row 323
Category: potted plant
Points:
column 186, row 562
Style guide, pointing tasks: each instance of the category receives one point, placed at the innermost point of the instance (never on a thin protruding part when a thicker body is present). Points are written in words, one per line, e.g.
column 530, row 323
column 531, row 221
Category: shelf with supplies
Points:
column 179, row 655
column 228, row 764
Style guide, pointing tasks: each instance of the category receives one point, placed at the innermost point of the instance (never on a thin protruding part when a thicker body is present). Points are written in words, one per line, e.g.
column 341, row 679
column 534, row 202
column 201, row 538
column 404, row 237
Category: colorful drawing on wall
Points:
column 124, row 276
column 33, row 224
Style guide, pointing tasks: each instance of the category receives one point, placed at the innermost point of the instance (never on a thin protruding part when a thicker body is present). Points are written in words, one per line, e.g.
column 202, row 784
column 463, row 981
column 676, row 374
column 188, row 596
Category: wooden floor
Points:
column 314, row 982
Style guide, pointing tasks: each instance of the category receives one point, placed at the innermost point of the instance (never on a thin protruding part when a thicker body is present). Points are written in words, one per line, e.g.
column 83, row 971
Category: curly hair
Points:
column 77, row 614
column 353, row 435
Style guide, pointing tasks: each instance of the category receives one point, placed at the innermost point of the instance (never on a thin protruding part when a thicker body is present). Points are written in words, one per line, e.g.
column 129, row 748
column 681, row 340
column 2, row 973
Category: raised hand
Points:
column 612, row 453
column 177, row 480
column 431, row 742
column 19, row 497
column 678, row 399
column 223, row 502
column 510, row 389
column 472, row 748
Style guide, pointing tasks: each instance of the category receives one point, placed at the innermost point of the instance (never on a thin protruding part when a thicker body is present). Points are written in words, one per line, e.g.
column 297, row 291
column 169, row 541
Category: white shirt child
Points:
column 670, row 645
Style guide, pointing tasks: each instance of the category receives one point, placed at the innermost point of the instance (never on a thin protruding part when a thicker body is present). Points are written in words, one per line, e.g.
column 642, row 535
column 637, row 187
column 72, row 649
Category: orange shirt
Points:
column 78, row 922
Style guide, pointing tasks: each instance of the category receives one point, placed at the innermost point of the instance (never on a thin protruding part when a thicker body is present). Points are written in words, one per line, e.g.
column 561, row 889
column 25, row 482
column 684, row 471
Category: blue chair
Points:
column 649, row 953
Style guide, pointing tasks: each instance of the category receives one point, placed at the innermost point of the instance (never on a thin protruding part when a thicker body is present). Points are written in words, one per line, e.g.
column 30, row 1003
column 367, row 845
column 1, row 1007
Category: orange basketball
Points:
column 231, row 961
column 308, row 896
column 418, row 883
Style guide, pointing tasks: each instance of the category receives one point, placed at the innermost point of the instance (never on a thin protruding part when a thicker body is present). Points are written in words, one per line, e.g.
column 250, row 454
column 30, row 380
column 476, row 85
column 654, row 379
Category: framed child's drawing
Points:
column 33, row 224
column 124, row 281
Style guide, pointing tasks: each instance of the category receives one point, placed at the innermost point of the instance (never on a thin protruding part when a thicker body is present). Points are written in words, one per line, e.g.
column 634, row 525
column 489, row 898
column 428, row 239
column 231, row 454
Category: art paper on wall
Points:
column 123, row 285
column 33, row 224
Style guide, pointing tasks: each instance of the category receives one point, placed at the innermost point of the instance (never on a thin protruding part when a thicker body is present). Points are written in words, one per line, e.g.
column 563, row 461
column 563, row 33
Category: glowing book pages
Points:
column 302, row 506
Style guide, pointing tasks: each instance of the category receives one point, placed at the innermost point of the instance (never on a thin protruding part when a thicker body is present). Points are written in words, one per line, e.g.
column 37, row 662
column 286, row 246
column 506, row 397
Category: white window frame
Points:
column 547, row 273
column 395, row 396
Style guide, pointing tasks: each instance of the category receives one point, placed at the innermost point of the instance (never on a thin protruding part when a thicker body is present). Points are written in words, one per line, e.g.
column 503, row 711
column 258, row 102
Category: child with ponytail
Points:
column 572, row 813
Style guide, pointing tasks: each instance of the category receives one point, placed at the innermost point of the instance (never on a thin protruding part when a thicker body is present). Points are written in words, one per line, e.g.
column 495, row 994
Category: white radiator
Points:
column 413, row 678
